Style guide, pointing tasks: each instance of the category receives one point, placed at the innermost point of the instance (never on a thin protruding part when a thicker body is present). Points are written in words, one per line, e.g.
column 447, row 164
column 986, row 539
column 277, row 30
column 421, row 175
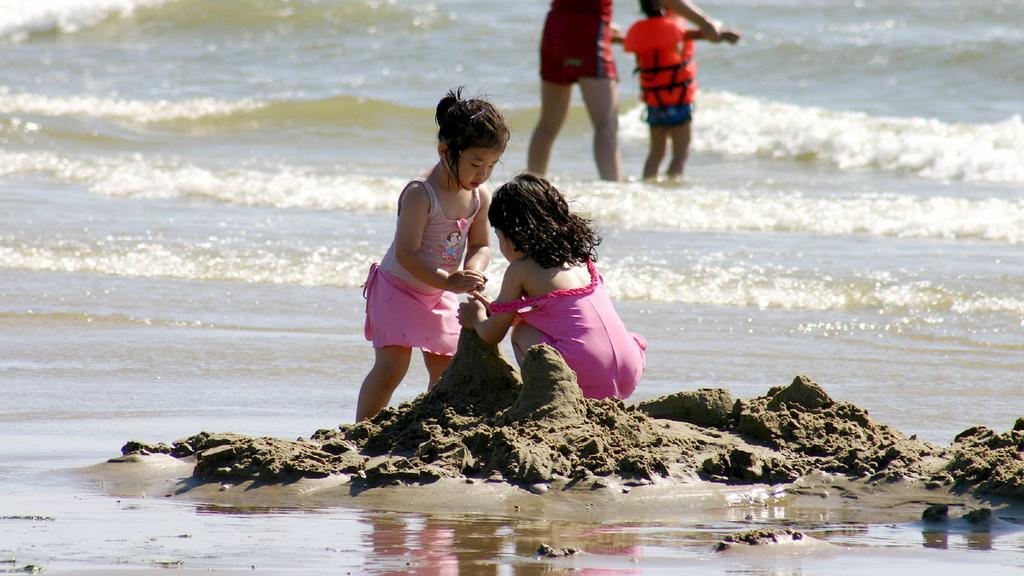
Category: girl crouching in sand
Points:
column 552, row 293
column 440, row 249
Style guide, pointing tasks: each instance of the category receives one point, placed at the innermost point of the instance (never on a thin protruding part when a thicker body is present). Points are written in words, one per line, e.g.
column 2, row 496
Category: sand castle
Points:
column 484, row 421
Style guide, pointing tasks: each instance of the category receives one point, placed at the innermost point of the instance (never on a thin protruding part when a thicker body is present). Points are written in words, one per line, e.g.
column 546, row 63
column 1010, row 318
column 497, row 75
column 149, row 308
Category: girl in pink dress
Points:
column 552, row 293
column 441, row 248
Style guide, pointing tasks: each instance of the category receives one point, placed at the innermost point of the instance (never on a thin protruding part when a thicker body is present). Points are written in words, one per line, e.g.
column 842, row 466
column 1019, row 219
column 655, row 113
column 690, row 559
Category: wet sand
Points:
column 497, row 528
column 808, row 479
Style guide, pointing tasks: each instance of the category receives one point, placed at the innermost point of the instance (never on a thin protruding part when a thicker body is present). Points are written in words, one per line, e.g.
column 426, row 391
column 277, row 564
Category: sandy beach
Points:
column 191, row 193
column 711, row 494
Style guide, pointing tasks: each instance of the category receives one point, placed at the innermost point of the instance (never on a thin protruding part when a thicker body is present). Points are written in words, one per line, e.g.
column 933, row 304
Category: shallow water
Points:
column 71, row 530
column 191, row 192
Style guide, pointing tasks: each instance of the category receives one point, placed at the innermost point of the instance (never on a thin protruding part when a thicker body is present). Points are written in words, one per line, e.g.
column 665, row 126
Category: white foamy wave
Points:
column 19, row 19
column 136, row 176
column 764, row 287
column 709, row 282
column 135, row 110
column 634, row 205
column 641, row 205
column 216, row 259
column 733, row 124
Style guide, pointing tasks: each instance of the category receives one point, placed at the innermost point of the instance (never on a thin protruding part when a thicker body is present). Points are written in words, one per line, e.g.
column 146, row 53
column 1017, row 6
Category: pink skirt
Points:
column 398, row 314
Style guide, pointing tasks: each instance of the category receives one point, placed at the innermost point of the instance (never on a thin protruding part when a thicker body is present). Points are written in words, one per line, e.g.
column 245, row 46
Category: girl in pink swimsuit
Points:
column 552, row 293
column 441, row 248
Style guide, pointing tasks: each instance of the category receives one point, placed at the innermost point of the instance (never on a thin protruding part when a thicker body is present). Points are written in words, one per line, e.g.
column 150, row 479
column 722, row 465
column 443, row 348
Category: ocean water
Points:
column 191, row 192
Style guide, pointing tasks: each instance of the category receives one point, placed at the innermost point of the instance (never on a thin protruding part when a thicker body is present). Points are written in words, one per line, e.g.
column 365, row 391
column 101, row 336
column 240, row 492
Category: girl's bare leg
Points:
column 680, row 149
column 435, row 363
column 523, row 337
column 389, row 367
column 659, row 141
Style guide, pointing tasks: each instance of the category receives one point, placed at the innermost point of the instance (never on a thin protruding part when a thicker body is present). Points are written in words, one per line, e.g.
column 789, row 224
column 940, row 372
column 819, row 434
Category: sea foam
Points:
column 741, row 125
column 760, row 208
column 272, row 185
column 705, row 281
column 134, row 110
column 20, row 19
column 754, row 208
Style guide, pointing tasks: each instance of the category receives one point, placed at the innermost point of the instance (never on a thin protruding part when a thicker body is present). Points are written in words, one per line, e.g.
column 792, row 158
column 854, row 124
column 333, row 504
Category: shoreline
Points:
column 846, row 500
column 520, row 473
column 668, row 527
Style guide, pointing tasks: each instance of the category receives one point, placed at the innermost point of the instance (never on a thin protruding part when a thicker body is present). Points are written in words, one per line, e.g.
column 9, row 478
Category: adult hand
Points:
column 711, row 30
column 729, row 35
column 616, row 34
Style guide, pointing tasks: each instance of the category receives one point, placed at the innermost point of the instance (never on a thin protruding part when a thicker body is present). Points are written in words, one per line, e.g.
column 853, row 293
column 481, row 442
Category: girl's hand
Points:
column 471, row 313
column 481, row 299
column 462, row 281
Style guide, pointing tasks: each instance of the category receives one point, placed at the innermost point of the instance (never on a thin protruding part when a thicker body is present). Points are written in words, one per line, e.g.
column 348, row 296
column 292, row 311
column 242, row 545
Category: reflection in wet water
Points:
column 404, row 543
column 95, row 531
column 940, row 539
column 442, row 546
column 401, row 544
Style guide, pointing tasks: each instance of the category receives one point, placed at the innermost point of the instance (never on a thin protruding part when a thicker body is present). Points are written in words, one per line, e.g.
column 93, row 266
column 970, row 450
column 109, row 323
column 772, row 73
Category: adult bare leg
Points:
column 680, row 149
column 389, row 367
column 554, row 109
column 435, row 363
column 601, row 97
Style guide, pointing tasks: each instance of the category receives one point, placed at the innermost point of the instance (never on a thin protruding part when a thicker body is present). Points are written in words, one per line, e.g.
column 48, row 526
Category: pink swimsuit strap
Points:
column 435, row 202
column 517, row 305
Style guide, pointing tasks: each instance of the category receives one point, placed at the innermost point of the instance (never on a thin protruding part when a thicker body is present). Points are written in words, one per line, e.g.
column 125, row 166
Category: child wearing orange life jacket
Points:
column 668, row 81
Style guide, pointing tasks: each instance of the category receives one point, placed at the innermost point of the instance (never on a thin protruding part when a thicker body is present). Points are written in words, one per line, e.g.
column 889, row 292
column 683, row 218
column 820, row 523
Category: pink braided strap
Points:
column 517, row 305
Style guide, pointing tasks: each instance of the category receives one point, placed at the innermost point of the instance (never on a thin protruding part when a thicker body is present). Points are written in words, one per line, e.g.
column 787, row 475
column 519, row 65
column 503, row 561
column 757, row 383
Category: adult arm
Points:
column 687, row 9
column 725, row 35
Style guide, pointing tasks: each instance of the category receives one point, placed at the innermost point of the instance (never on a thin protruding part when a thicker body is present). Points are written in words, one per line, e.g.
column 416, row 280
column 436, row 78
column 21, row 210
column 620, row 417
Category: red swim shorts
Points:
column 574, row 46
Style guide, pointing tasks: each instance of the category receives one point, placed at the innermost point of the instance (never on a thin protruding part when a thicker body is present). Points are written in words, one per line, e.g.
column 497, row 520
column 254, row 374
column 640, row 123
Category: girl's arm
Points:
column 492, row 329
column 412, row 221
column 478, row 239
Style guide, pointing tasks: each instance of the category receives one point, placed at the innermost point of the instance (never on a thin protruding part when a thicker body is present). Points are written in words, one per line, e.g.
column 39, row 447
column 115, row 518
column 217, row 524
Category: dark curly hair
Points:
column 535, row 217
column 464, row 124
column 651, row 8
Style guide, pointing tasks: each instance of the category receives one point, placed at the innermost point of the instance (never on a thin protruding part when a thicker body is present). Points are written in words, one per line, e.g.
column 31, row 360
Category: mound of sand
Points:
column 762, row 537
column 829, row 435
column 982, row 460
column 485, row 421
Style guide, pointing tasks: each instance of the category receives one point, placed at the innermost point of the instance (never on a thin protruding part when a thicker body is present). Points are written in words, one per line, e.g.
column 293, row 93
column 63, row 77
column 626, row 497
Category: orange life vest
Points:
column 664, row 57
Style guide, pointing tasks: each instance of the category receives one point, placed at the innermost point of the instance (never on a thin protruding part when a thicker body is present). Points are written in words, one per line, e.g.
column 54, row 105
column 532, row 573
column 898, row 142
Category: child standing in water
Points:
column 440, row 249
column 554, row 291
column 668, row 81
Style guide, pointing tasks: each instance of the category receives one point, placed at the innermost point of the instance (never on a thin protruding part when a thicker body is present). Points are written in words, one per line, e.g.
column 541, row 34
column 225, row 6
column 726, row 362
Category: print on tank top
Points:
column 451, row 246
